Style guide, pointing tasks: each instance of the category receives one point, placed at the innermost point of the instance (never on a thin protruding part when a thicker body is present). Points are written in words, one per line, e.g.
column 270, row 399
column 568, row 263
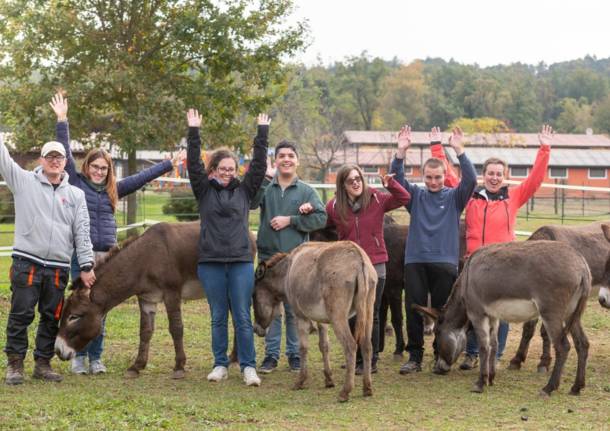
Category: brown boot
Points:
column 43, row 370
column 14, row 371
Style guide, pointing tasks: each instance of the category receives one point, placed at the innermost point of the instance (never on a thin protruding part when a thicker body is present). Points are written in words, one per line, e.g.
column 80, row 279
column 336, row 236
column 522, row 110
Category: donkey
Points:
column 590, row 242
column 517, row 282
column 324, row 283
column 158, row 266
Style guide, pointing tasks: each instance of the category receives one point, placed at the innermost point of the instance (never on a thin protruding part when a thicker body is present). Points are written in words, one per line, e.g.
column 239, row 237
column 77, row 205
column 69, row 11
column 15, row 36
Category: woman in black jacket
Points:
column 225, row 260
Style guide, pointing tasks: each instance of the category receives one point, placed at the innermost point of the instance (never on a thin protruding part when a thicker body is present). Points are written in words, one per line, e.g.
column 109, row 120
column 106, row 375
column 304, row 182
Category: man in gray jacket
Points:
column 51, row 219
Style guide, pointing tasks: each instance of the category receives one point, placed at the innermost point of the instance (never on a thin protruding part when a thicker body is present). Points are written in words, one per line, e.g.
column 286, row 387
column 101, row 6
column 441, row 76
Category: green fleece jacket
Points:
column 273, row 201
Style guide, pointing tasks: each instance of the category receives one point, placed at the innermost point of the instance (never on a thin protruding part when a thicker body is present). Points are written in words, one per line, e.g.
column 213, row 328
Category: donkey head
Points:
column 450, row 338
column 81, row 322
column 268, row 293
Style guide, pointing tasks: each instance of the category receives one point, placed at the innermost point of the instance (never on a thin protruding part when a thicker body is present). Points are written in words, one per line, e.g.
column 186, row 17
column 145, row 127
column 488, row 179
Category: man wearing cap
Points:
column 51, row 219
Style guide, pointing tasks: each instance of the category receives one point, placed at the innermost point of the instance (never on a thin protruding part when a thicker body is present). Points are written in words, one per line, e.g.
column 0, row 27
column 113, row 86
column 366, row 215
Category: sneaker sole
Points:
column 266, row 370
column 218, row 380
column 252, row 383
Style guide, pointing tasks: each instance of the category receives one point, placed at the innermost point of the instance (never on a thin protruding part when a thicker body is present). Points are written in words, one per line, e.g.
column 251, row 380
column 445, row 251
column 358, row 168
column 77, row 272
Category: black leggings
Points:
column 376, row 329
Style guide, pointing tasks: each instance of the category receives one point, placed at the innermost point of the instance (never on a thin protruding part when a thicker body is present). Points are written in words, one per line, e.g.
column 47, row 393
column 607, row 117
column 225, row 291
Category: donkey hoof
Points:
column 132, row 374
column 543, row 369
column 329, row 384
column 178, row 374
column 476, row 388
column 367, row 392
column 575, row 390
column 298, row 386
column 514, row 365
column 544, row 394
column 343, row 397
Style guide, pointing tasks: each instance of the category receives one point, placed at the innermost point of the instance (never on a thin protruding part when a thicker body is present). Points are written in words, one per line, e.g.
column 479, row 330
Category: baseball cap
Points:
column 51, row 146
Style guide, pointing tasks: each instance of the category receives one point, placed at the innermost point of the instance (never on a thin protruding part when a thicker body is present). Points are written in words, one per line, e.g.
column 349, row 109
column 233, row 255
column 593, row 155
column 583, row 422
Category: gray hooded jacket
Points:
column 48, row 222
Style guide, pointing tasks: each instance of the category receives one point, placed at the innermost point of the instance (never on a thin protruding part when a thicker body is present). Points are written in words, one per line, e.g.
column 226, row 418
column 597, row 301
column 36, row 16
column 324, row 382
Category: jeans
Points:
column 95, row 348
column 273, row 339
column 224, row 284
column 472, row 346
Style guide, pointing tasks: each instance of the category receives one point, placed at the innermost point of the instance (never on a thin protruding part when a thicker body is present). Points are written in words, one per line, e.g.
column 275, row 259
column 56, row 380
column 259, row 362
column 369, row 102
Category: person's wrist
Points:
column 62, row 118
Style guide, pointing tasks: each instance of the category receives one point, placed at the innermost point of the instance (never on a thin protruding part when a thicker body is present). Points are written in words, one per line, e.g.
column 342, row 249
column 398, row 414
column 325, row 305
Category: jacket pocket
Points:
column 28, row 231
column 23, row 273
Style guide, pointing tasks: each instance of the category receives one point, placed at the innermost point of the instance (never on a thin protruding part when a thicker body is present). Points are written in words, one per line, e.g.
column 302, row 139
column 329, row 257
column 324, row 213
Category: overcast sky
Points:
column 486, row 32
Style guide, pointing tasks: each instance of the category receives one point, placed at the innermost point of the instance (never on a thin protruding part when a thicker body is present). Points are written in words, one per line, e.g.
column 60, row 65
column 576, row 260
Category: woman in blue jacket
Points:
column 102, row 192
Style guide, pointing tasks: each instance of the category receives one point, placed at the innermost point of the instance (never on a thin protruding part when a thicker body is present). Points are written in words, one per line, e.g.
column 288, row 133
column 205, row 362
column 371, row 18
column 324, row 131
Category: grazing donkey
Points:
column 324, row 283
column 158, row 266
column 517, row 282
column 588, row 240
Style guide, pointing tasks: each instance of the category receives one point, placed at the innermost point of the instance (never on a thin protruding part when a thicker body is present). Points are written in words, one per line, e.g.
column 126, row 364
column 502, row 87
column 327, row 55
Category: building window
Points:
column 479, row 170
column 370, row 169
column 597, row 173
column 518, row 172
column 558, row 173
column 408, row 170
column 373, row 180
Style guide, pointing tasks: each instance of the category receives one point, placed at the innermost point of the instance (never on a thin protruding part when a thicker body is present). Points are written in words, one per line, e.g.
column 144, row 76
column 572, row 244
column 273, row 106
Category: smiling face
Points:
column 493, row 177
column 53, row 164
column 286, row 162
column 226, row 170
column 98, row 170
column 353, row 184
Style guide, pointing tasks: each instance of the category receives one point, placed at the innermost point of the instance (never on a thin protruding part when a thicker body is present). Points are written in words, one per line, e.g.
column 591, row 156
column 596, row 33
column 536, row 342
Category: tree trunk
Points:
column 132, row 199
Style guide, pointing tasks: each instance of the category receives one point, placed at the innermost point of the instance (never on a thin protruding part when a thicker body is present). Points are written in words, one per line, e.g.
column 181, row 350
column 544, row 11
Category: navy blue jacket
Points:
column 223, row 210
column 102, row 223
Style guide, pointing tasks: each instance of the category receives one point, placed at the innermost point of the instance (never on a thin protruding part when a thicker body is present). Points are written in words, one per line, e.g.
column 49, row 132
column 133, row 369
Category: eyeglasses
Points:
column 99, row 168
column 351, row 181
column 57, row 158
column 226, row 170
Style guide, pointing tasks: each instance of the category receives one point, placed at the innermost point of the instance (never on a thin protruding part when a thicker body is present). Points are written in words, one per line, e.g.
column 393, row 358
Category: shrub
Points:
column 182, row 204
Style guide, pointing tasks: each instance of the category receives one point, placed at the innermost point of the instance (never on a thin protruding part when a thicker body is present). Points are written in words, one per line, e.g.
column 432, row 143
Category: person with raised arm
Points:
column 432, row 249
column 225, row 264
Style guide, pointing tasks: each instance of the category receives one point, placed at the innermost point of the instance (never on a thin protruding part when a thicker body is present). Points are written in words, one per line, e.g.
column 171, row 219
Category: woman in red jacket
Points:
column 491, row 215
column 357, row 211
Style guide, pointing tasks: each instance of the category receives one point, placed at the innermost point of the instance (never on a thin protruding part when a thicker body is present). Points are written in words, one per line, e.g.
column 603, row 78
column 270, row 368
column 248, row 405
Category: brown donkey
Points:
column 324, row 283
column 517, row 282
column 158, row 266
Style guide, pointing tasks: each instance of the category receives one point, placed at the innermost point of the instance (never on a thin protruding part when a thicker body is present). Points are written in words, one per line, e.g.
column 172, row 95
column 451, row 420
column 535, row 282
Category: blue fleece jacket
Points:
column 435, row 217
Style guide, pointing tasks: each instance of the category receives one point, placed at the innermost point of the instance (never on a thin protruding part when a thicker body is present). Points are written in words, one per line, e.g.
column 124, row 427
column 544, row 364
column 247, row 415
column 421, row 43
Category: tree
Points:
column 479, row 125
column 575, row 116
column 601, row 116
column 132, row 68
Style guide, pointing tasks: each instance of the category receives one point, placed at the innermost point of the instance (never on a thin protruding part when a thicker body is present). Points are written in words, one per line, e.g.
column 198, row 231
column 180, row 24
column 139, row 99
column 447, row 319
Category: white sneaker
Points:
column 250, row 377
column 78, row 365
column 96, row 367
column 218, row 373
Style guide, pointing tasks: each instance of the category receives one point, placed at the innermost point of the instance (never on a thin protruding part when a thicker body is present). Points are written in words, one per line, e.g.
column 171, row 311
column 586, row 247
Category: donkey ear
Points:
column 261, row 269
column 606, row 229
column 426, row 311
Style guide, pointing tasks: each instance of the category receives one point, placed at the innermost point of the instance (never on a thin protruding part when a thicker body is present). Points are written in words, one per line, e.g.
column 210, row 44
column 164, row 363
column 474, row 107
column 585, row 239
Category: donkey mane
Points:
column 275, row 259
column 99, row 264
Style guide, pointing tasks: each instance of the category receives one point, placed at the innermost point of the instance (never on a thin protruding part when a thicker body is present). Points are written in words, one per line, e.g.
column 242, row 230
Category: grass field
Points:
column 421, row 401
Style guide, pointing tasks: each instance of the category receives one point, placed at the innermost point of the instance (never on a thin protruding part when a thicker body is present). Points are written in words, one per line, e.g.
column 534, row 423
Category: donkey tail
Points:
column 584, row 291
column 363, row 280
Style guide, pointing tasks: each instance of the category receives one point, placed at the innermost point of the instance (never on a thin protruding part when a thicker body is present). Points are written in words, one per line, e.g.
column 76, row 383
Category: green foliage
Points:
column 602, row 116
column 575, row 116
column 182, row 204
column 7, row 206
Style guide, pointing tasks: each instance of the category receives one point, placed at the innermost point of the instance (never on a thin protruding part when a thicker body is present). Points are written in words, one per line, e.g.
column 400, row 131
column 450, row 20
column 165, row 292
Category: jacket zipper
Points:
column 507, row 216
column 52, row 218
column 484, row 222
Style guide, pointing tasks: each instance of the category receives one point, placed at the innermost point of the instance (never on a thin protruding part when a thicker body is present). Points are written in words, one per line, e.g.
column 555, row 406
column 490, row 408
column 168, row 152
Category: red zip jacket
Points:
column 491, row 221
column 365, row 227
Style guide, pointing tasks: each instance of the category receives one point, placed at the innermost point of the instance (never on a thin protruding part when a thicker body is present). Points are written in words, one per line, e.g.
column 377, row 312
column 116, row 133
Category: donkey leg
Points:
column 545, row 358
column 481, row 327
column 176, row 329
column 554, row 327
column 344, row 335
column 303, row 327
column 582, row 348
column 147, row 327
column 323, row 344
column 493, row 343
column 526, row 336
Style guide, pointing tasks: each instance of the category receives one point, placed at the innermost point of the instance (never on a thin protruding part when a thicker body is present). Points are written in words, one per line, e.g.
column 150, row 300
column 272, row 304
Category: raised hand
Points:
column 179, row 157
column 60, row 106
column 193, row 118
column 404, row 137
column 263, row 120
column 455, row 140
column 545, row 137
column 435, row 135
column 385, row 179
column 271, row 169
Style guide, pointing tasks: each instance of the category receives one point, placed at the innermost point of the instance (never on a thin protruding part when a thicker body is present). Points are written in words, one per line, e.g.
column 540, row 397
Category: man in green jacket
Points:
column 289, row 210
